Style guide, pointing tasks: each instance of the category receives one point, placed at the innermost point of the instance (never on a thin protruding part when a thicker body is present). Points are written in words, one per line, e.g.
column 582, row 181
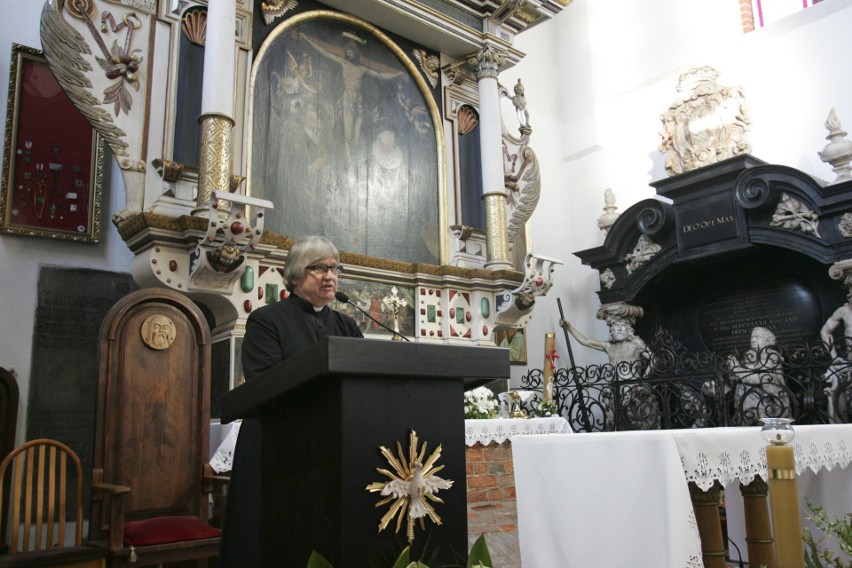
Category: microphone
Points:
column 344, row 297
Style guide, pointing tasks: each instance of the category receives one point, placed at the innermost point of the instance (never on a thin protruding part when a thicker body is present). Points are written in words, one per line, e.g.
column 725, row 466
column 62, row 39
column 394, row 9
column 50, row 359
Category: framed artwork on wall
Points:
column 53, row 160
column 346, row 139
column 516, row 340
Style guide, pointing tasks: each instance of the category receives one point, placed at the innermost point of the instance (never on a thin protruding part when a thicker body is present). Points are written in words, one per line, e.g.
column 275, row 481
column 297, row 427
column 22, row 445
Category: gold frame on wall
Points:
column 53, row 163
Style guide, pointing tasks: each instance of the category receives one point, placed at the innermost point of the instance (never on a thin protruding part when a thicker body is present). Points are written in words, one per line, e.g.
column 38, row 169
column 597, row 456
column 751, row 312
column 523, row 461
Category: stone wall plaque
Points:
column 789, row 308
column 72, row 303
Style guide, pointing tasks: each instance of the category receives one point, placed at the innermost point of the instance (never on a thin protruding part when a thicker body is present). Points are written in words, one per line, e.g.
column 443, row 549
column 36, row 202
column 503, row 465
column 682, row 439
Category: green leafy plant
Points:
column 840, row 529
column 478, row 558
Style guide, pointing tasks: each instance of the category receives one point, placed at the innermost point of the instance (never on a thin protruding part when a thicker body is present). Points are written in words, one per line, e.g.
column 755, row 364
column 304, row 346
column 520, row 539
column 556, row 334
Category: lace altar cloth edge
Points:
column 486, row 431
column 739, row 454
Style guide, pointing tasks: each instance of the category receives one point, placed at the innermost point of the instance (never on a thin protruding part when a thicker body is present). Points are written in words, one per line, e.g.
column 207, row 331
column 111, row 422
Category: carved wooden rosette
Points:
column 215, row 158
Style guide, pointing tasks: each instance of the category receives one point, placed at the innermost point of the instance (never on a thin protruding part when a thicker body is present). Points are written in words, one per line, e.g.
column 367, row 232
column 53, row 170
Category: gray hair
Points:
column 303, row 252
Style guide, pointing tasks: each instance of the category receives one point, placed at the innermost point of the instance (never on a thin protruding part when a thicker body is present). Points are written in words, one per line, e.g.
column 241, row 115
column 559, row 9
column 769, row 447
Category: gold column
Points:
column 214, row 172
column 497, row 243
column 488, row 62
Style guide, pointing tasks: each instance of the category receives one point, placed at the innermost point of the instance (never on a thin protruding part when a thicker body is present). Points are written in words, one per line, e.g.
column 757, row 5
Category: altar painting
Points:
column 344, row 139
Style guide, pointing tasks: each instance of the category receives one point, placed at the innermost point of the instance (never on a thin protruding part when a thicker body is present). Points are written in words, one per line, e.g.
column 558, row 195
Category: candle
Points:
column 217, row 93
column 784, row 501
column 550, row 357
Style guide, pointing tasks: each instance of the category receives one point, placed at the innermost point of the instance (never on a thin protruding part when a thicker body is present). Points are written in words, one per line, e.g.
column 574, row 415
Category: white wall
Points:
column 599, row 75
column 21, row 257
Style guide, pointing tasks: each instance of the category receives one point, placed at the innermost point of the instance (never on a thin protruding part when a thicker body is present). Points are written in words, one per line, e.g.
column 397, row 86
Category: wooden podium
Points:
column 324, row 414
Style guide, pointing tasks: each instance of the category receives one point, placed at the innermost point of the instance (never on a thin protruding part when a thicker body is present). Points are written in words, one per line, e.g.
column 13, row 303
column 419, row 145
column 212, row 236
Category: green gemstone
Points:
column 271, row 293
column 247, row 280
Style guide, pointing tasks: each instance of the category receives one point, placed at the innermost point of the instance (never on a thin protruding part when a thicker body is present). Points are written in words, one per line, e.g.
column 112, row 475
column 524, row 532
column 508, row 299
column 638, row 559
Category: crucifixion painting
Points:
column 344, row 141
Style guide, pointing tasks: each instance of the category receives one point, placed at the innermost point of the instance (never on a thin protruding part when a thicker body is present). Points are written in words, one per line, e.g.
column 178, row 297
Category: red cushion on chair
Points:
column 161, row 530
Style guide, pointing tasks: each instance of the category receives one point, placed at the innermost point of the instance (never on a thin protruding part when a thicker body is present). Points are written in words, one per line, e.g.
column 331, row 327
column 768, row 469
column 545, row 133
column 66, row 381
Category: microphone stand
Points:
column 344, row 298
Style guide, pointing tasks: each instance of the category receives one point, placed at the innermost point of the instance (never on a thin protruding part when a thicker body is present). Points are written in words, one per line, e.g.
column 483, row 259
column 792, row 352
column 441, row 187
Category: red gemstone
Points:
column 173, row 265
column 237, row 227
column 247, row 306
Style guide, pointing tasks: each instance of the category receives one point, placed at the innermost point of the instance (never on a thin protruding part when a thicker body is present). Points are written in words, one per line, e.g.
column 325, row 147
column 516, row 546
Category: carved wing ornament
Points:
column 100, row 68
column 64, row 48
column 528, row 193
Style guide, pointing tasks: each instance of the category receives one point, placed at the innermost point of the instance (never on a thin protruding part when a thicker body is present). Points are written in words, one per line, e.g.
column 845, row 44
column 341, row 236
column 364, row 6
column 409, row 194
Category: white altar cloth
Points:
column 223, row 440
column 585, row 500
column 486, row 431
column 621, row 498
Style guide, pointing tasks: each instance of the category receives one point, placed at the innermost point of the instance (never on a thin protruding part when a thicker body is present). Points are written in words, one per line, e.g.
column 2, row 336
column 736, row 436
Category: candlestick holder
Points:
column 777, row 431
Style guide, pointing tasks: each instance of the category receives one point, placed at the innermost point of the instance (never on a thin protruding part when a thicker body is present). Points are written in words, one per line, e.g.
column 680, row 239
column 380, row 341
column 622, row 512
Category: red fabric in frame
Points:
column 53, row 155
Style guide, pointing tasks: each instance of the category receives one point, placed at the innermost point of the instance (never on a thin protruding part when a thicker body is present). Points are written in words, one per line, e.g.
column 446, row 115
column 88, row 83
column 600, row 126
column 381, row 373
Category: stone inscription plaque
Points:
column 788, row 307
column 706, row 221
column 72, row 303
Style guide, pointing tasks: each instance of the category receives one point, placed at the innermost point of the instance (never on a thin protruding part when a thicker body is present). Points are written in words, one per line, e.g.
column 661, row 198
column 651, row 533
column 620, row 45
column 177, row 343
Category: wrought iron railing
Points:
column 672, row 388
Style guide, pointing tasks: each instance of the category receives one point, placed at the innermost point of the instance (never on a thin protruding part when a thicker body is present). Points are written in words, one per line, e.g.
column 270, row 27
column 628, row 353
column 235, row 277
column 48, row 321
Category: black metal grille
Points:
column 671, row 388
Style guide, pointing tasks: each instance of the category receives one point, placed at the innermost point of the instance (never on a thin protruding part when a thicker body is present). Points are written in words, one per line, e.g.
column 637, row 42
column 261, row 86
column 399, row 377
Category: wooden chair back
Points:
column 152, row 418
column 43, row 475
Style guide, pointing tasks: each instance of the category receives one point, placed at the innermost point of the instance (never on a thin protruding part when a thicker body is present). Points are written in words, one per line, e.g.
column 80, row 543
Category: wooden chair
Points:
column 44, row 474
column 150, row 476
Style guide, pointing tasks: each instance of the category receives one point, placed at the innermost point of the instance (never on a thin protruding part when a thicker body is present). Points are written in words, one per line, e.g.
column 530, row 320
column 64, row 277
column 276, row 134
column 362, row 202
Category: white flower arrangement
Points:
column 480, row 403
column 546, row 408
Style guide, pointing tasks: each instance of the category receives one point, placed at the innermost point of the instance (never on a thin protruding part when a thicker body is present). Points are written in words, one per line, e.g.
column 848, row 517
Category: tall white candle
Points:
column 217, row 94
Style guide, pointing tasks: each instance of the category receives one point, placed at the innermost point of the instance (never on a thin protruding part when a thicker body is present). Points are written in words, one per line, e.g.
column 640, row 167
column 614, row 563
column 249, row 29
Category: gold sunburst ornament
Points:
column 412, row 486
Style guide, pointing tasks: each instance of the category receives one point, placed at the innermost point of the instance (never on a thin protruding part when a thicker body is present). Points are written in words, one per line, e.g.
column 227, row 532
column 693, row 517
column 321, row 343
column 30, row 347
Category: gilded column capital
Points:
column 487, row 61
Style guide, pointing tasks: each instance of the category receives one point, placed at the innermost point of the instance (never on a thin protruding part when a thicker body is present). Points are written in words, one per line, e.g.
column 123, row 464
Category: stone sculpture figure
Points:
column 629, row 354
column 705, row 124
column 624, row 348
column 838, row 376
column 520, row 102
column 760, row 389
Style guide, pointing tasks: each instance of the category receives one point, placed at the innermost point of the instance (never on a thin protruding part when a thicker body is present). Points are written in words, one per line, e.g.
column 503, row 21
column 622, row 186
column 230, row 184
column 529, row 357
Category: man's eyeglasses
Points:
column 322, row 269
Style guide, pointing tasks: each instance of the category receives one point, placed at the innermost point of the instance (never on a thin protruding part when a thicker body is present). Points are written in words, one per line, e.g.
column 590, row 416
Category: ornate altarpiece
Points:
column 419, row 74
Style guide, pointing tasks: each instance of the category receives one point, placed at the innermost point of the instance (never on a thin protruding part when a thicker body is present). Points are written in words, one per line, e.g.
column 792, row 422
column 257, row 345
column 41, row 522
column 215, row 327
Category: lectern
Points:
column 324, row 414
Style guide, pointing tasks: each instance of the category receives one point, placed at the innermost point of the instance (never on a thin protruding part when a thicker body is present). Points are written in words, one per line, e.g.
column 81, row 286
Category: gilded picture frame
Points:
column 53, row 163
